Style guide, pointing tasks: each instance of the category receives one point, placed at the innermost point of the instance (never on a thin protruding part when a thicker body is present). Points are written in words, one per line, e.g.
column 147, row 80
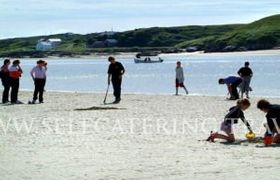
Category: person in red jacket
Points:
column 15, row 74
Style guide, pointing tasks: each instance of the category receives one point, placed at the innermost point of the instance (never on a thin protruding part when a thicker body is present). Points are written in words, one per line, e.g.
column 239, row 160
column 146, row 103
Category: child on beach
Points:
column 179, row 82
column 231, row 118
column 273, row 119
column 246, row 74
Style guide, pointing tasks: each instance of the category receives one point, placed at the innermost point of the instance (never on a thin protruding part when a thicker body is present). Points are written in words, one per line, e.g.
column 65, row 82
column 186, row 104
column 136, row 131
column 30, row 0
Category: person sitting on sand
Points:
column 179, row 81
column 232, row 83
column 246, row 74
column 38, row 74
column 231, row 118
column 15, row 74
column 273, row 118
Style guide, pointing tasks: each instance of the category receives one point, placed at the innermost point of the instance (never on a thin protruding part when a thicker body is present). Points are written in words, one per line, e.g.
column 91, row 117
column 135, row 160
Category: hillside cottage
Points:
column 47, row 44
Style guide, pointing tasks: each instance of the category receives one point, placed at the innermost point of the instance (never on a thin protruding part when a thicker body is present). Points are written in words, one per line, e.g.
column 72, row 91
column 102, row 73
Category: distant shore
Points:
column 198, row 53
column 132, row 54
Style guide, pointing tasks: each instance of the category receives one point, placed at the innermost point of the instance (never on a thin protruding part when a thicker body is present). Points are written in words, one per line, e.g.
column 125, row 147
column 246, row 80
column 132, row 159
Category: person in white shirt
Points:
column 179, row 82
column 38, row 74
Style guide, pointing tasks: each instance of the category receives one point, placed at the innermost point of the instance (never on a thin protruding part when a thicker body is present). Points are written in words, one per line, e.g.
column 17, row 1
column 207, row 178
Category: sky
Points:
column 21, row 18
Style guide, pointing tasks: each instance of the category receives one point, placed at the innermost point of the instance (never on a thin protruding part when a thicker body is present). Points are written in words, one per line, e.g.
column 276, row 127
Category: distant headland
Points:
column 259, row 35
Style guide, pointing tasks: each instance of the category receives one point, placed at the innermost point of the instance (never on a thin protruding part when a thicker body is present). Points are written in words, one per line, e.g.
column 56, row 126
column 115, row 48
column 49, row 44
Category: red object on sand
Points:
column 267, row 140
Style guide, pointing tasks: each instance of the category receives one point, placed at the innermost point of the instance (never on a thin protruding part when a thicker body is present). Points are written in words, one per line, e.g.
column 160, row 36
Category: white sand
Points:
column 128, row 143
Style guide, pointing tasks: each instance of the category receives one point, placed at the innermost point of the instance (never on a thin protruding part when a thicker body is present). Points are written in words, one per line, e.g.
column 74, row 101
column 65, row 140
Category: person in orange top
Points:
column 15, row 74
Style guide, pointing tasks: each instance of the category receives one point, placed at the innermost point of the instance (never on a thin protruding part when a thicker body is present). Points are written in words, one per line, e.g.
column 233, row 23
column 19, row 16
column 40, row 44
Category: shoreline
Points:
column 132, row 54
column 144, row 94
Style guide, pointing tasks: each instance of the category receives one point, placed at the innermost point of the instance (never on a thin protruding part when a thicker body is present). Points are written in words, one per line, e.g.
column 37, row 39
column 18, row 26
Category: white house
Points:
column 47, row 44
column 55, row 42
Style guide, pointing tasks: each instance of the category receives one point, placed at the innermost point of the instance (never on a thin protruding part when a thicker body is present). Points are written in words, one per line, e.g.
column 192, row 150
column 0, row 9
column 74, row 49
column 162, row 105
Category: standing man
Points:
column 232, row 83
column 179, row 81
column 115, row 73
column 5, row 78
column 38, row 74
column 246, row 74
column 15, row 72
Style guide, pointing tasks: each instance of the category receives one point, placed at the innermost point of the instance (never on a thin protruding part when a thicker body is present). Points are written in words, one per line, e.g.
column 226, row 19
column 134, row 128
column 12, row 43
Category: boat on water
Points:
column 147, row 59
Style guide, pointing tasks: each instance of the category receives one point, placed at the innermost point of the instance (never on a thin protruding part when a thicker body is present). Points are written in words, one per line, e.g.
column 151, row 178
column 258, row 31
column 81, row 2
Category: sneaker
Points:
column 211, row 137
column 232, row 98
column 117, row 101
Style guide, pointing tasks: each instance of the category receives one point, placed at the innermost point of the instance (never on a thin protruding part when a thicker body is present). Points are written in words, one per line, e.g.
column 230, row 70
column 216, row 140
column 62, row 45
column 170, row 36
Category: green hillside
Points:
column 262, row 34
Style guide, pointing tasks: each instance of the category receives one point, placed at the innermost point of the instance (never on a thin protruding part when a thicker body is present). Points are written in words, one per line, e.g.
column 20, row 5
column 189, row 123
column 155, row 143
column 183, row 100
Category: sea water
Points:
column 202, row 72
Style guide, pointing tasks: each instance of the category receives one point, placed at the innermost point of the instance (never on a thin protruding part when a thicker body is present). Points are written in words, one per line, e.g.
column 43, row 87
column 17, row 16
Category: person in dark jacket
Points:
column 246, row 74
column 115, row 73
column 273, row 118
column 231, row 118
column 232, row 83
column 5, row 78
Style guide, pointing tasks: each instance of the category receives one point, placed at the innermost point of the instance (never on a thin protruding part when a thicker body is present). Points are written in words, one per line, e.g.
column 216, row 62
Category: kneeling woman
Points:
column 231, row 118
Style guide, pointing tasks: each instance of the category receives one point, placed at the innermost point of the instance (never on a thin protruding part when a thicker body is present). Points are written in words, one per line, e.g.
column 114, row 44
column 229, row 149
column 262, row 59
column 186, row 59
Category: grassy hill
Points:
column 262, row 34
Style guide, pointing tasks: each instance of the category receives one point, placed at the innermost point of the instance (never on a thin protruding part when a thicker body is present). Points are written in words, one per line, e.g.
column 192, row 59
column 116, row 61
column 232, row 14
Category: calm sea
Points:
column 201, row 73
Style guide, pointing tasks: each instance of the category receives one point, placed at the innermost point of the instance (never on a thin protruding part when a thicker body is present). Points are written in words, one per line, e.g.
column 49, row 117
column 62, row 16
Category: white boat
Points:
column 147, row 59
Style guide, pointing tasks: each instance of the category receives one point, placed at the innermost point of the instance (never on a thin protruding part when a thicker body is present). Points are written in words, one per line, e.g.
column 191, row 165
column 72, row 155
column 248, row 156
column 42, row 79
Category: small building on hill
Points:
column 103, row 44
column 107, row 33
column 47, row 44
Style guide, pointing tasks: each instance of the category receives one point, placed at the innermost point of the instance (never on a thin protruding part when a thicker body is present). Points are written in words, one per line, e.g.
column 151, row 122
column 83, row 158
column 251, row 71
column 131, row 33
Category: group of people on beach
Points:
column 237, row 112
column 10, row 76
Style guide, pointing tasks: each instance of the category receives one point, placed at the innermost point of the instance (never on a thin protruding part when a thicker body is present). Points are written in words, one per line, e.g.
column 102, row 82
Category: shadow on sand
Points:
column 256, row 140
column 98, row 108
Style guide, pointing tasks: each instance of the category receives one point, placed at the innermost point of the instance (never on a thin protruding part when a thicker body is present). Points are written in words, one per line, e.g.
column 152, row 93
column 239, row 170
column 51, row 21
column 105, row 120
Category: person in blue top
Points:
column 232, row 83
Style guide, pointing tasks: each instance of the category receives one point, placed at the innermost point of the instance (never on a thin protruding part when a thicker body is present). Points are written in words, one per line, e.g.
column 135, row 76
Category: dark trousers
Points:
column 234, row 92
column 14, row 91
column 39, row 89
column 6, row 85
column 117, row 88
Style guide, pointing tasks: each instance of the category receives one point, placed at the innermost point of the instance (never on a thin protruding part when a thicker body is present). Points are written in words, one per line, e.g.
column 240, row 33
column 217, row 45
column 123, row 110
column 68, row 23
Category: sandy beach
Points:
column 75, row 136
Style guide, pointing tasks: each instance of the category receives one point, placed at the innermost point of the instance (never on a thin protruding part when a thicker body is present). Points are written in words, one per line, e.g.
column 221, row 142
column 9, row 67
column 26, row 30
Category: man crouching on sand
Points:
column 115, row 73
column 273, row 118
